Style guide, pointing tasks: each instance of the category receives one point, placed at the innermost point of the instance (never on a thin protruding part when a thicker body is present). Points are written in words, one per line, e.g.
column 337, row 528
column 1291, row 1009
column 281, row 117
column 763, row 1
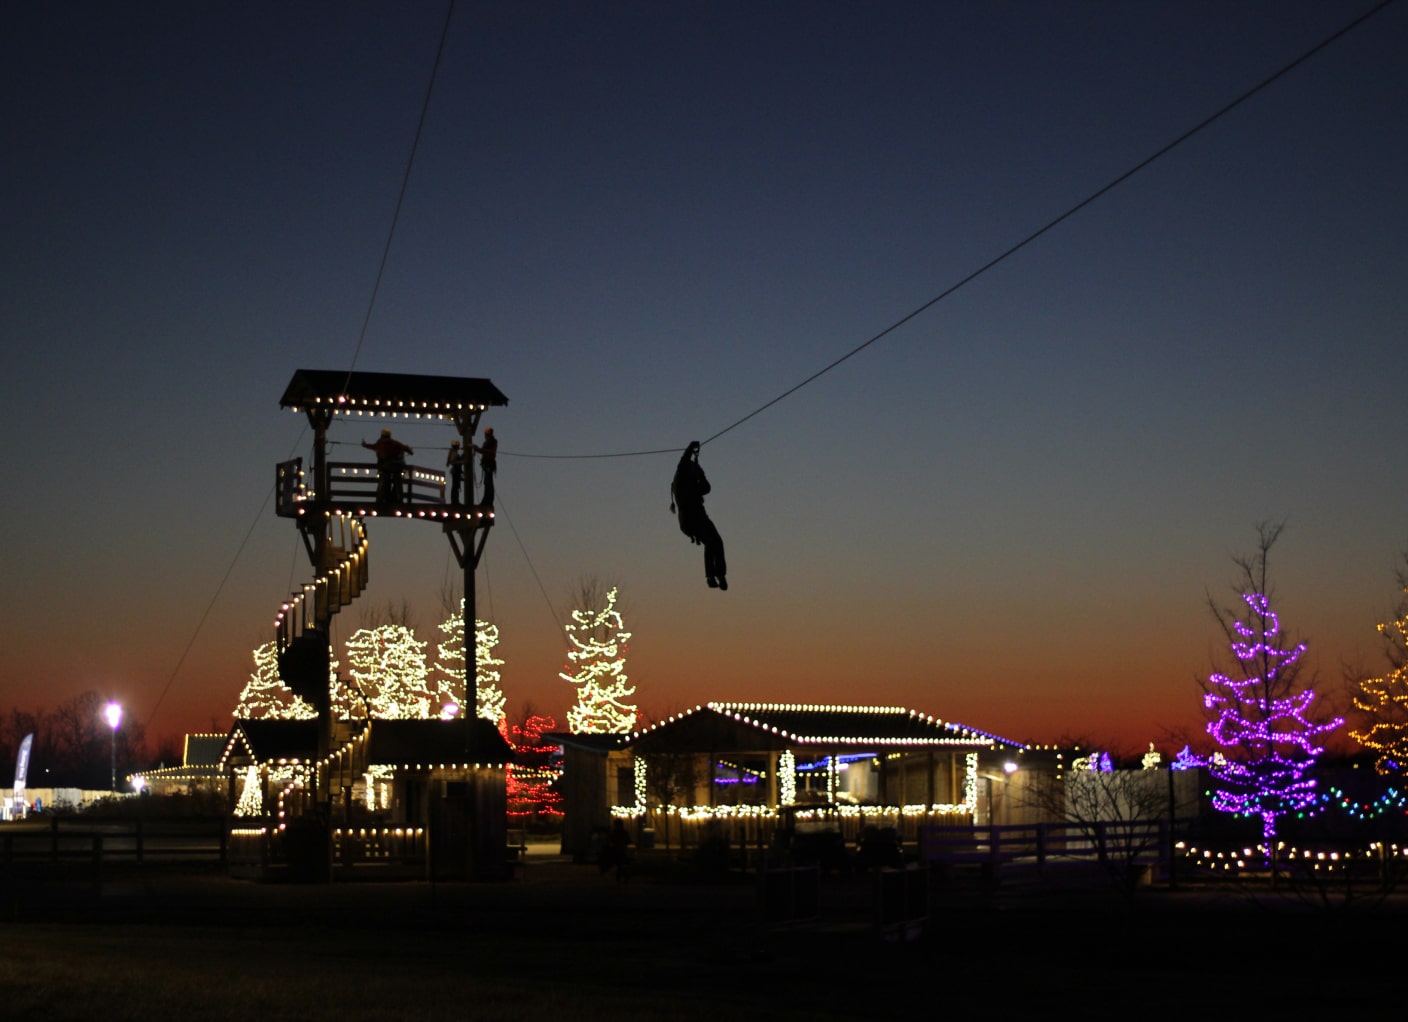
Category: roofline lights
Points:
column 391, row 408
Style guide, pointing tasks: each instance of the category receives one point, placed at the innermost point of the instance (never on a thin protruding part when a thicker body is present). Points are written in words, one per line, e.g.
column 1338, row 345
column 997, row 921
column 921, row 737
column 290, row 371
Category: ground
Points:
column 167, row 942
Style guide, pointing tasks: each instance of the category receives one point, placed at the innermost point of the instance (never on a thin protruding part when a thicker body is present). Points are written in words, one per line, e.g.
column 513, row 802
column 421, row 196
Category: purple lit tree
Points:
column 1261, row 723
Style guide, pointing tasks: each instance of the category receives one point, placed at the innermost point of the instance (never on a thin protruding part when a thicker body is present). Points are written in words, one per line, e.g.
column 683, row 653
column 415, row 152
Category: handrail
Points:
column 355, row 483
column 317, row 601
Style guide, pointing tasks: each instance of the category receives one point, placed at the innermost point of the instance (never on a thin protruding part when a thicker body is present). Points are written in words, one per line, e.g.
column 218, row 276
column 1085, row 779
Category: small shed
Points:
column 426, row 793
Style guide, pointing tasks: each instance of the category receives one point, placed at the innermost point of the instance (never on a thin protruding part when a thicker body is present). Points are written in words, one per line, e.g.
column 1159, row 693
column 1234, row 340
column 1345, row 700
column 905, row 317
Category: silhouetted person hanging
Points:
column 488, row 463
column 687, row 502
column 390, row 467
column 454, row 461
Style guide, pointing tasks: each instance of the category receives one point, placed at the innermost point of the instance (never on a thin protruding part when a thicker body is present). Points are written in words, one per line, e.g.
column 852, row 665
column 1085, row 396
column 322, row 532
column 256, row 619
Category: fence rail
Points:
column 1125, row 847
column 126, row 841
column 1093, row 840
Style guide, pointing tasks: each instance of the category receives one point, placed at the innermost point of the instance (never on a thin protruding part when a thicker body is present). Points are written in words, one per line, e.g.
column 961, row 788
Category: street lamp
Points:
column 112, row 713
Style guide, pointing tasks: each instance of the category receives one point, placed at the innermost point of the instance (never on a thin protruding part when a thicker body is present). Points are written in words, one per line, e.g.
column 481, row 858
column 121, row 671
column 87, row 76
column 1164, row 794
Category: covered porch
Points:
column 770, row 778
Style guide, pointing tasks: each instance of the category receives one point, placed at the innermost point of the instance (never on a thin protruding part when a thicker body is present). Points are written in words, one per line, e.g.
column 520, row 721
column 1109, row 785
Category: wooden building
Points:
column 415, row 798
column 199, row 771
column 746, row 770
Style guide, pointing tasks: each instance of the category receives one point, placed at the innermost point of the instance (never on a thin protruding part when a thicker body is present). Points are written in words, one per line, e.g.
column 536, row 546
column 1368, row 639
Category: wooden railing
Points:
column 353, row 484
column 395, row 845
column 314, row 605
column 1120, row 846
column 261, row 850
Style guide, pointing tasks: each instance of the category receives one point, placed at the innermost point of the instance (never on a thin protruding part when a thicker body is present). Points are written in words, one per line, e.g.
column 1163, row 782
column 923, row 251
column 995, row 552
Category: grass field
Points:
column 168, row 943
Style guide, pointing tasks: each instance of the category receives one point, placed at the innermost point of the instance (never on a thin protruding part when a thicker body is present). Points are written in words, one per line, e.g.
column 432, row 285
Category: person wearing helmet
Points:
column 390, row 467
column 488, row 453
column 454, row 461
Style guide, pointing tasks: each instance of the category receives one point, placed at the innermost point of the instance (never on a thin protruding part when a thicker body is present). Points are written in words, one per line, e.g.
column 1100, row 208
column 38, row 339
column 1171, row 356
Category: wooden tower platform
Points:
column 331, row 503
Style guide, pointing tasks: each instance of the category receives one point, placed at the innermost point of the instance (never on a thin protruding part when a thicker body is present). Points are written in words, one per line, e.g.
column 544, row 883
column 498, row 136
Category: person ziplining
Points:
column 687, row 492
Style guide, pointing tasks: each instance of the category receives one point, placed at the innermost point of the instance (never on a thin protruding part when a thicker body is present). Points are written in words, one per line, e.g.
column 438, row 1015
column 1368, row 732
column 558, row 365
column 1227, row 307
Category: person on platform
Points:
column 390, row 467
column 454, row 461
column 687, row 492
column 488, row 453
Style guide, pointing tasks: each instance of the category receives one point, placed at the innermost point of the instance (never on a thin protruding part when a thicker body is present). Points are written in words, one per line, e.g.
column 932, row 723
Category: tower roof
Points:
column 390, row 394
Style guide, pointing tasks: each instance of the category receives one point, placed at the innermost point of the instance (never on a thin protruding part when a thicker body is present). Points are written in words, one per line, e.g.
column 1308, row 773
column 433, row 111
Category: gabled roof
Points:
column 202, row 760
column 426, row 743
column 408, row 743
column 204, row 750
column 390, row 393
column 770, row 726
column 270, row 740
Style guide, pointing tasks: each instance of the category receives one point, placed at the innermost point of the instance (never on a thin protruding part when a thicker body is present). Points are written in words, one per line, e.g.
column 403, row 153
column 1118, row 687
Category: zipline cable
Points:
column 356, row 353
column 1014, row 249
column 401, row 196
column 975, row 274
column 501, row 509
column 239, row 551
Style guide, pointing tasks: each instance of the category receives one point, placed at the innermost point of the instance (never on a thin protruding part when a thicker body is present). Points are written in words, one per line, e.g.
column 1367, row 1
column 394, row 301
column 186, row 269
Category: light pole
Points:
column 112, row 713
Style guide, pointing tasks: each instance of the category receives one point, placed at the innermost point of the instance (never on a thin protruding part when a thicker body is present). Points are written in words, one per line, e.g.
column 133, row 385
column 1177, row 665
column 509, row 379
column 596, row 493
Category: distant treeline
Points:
column 73, row 745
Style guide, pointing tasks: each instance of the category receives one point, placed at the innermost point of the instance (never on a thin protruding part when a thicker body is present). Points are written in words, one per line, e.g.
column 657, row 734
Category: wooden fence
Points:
column 1129, row 848
column 64, row 840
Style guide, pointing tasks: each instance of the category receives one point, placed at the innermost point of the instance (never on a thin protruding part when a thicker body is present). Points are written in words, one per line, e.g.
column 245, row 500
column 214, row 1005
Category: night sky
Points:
column 643, row 222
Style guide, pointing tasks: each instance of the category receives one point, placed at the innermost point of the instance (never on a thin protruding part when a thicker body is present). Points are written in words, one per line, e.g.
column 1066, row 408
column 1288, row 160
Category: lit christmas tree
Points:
column 388, row 664
column 449, row 668
column 265, row 696
column 346, row 701
column 1262, row 723
column 251, row 801
column 1385, row 702
column 531, row 795
column 599, row 656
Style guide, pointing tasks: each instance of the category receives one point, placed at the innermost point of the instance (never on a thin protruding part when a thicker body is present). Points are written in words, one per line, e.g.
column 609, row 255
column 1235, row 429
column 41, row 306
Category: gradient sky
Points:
column 643, row 221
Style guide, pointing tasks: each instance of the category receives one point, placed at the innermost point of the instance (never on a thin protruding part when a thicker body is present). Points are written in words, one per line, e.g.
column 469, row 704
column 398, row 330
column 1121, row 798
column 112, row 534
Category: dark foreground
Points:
column 172, row 942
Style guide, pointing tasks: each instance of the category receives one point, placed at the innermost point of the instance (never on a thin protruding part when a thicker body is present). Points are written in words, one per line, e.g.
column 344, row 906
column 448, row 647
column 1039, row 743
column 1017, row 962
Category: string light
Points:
column 1273, row 735
column 1390, row 802
column 885, row 725
column 392, row 844
column 600, row 660
column 251, row 801
column 787, row 778
column 639, row 786
column 335, row 588
column 1385, row 701
column 450, row 680
column 532, row 776
column 1373, row 855
column 960, row 811
column 388, row 664
column 377, row 784
column 265, row 696
column 390, row 409
column 1096, row 762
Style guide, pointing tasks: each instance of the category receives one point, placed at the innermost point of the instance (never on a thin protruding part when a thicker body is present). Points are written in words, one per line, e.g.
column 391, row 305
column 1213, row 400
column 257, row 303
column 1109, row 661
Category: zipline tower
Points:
column 331, row 502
